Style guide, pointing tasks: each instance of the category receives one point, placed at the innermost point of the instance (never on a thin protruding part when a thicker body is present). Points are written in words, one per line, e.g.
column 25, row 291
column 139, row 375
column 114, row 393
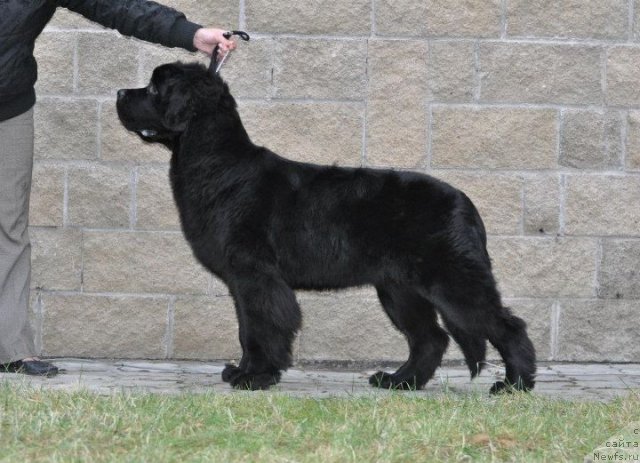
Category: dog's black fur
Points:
column 266, row 226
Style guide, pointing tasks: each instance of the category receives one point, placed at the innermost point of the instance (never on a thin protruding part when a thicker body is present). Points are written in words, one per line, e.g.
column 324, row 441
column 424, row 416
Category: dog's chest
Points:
column 208, row 206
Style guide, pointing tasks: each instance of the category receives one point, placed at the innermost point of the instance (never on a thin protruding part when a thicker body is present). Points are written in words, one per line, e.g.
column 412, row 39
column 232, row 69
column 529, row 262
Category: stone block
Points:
column 538, row 316
column 619, row 276
column 342, row 327
column 118, row 144
column 581, row 19
column 100, row 196
column 602, row 205
column 397, row 69
column 497, row 138
column 542, row 204
column 46, row 206
column 56, row 259
column 155, row 207
column 498, row 198
column 591, row 139
column 397, row 79
column 104, row 326
column 54, row 52
column 633, row 141
column 323, row 133
column 218, row 13
column 248, row 70
column 106, row 63
column 320, row 69
column 139, row 262
column 396, row 139
column 544, row 267
column 598, row 331
column 65, row 129
column 450, row 71
column 325, row 17
column 623, row 78
column 439, row 18
column 537, row 73
column 205, row 328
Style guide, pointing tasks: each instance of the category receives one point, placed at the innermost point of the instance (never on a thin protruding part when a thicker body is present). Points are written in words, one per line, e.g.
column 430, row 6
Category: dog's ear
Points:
column 179, row 108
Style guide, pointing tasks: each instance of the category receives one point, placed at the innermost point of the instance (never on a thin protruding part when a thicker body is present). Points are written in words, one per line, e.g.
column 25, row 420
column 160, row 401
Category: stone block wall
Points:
column 530, row 106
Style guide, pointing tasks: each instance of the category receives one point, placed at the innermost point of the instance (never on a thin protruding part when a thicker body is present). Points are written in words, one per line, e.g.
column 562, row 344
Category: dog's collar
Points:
column 215, row 66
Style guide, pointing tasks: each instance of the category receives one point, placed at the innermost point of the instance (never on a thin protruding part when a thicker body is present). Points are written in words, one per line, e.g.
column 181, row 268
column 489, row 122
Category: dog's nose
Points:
column 121, row 94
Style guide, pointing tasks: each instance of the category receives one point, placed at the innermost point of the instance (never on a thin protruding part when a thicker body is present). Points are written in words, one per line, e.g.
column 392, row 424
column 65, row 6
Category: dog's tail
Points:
column 474, row 348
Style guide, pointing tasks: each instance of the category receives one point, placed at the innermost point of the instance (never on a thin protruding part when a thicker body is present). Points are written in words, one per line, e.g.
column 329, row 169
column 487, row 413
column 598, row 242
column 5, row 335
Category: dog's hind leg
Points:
column 269, row 317
column 469, row 301
column 416, row 318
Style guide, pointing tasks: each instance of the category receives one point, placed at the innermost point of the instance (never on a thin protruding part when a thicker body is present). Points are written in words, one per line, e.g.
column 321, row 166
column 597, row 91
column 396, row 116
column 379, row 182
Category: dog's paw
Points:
column 230, row 372
column 389, row 381
column 504, row 387
column 500, row 387
column 255, row 382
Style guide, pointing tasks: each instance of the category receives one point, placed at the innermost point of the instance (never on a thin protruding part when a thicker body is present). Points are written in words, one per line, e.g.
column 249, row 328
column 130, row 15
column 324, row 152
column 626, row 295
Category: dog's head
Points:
column 161, row 111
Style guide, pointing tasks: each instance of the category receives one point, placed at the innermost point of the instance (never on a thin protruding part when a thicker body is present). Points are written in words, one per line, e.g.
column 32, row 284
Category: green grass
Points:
column 40, row 425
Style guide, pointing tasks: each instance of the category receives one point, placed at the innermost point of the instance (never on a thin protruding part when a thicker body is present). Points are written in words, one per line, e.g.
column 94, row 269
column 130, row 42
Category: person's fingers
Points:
column 206, row 39
column 227, row 46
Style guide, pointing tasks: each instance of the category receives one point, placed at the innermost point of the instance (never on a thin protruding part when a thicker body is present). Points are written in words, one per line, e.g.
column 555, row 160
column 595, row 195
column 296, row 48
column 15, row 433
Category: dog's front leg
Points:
column 269, row 317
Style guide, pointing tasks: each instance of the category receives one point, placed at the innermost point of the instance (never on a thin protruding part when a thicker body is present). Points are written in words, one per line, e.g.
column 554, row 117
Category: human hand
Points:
column 207, row 38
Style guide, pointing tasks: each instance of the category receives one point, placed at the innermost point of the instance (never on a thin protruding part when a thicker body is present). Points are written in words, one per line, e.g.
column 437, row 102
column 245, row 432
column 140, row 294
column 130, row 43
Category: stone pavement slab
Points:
column 563, row 381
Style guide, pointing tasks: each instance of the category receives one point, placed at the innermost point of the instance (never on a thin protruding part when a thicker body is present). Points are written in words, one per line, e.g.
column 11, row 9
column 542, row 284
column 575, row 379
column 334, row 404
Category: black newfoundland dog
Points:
column 266, row 226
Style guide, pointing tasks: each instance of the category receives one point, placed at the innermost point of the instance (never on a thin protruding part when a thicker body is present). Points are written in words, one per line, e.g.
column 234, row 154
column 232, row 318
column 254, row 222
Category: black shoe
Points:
column 30, row 367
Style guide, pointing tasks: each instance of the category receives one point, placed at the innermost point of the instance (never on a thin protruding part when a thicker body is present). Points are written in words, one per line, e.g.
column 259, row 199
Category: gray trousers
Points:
column 16, row 162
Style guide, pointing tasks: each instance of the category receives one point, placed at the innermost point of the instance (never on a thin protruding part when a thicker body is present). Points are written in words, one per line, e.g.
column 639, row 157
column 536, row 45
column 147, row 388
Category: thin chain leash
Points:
column 216, row 65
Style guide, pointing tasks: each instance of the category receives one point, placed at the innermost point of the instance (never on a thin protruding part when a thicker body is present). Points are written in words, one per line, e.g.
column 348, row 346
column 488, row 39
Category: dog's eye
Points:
column 152, row 90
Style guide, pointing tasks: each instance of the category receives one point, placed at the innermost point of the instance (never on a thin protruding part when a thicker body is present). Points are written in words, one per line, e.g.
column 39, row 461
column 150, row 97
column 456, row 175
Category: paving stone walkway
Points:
column 564, row 381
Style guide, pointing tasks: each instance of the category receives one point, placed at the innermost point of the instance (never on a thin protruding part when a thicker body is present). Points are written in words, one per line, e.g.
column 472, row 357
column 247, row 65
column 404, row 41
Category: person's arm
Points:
column 149, row 21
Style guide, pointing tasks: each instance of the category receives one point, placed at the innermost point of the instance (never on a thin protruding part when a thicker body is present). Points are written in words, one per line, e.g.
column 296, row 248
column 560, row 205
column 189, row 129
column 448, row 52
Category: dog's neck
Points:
column 224, row 128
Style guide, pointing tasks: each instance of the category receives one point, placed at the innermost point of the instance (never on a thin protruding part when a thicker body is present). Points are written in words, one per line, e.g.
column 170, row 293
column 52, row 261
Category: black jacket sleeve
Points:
column 142, row 19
